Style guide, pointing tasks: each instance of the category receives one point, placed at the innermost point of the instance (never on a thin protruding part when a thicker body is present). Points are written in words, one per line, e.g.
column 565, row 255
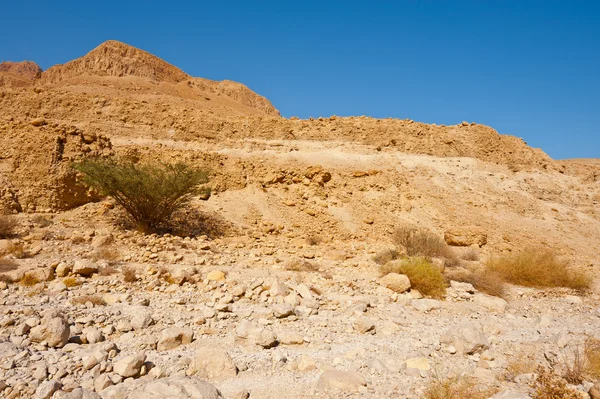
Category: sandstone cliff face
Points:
column 18, row 74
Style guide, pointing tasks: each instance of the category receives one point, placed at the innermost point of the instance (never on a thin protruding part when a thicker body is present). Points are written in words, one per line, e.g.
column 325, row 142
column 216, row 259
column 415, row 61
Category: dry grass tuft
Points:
column 8, row 226
column 108, row 271
column 16, row 249
column 71, row 282
column 470, row 254
column 457, row 387
column 129, row 275
column 484, row 281
column 314, row 240
column 93, row 299
column 549, row 385
column 538, row 268
column 591, row 352
column 7, row 265
column 420, row 242
column 301, row 265
column 385, row 256
column 423, row 276
column 28, row 280
column 105, row 253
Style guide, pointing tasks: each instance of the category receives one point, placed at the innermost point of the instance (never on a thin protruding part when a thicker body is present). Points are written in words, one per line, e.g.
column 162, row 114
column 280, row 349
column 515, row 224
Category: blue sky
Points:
column 526, row 68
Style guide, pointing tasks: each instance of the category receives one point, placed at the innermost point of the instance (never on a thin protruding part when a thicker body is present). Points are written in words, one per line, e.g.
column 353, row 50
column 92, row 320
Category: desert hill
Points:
column 282, row 292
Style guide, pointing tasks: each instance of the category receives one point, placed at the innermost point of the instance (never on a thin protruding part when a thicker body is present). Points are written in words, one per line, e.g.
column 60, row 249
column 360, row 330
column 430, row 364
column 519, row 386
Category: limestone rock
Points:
column 173, row 337
column 425, row 305
column 395, row 282
column 47, row 389
column 53, row 330
column 130, row 366
column 215, row 275
column 492, row 303
column 85, row 268
column 176, row 387
column 343, row 380
column 212, row 363
column 510, row 395
column 466, row 337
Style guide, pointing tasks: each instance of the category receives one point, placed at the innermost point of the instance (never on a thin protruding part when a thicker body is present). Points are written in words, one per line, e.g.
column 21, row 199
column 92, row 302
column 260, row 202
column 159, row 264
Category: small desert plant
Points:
column 538, row 268
column 17, row 250
column 385, row 256
column 591, row 351
column 149, row 193
column 314, row 240
column 423, row 275
column 520, row 364
column 41, row 221
column 420, row 242
column 470, row 254
column 7, row 265
column 28, row 280
column 71, row 282
column 93, row 299
column 549, row 385
column 575, row 367
column 108, row 271
column 129, row 275
column 105, row 253
column 455, row 387
column 301, row 265
column 488, row 282
column 8, row 226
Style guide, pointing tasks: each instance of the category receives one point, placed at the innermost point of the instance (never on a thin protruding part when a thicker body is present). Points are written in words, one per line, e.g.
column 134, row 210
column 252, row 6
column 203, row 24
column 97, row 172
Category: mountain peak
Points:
column 114, row 58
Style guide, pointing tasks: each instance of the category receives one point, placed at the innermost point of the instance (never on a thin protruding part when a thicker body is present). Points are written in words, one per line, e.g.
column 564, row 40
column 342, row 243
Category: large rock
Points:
column 466, row 236
column 130, row 366
column 256, row 334
column 344, row 380
column 172, row 337
column 54, row 331
column 79, row 393
column 466, row 337
column 177, row 387
column 395, row 282
column 85, row 267
column 47, row 389
column 212, row 363
column 492, row 303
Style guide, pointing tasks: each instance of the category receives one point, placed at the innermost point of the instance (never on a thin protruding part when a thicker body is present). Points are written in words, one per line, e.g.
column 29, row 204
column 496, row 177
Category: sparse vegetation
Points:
column 520, row 364
column 456, row 387
column 93, row 299
column 106, row 253
column 488, row 282
column 150, row 193
column 471, row 254
column 549, row 385
column 7, row 265
column 538, row 268
column 108, row 271
column 28, row 280
column 71, row 282
column 17, row 250
column 420, row 242
column 385, row 256
column 129, row 275
column 301, row 265
column 423, row 275
column 8, row 226
column 314, row 240
column 591, row 351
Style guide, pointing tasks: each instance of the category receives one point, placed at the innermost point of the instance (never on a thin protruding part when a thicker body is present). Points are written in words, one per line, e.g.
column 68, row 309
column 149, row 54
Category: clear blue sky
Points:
column 526, row 68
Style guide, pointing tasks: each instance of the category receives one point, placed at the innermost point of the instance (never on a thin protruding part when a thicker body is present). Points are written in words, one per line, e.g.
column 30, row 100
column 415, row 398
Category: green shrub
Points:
column 150, row 193
column 538, row 268
column 423, row 276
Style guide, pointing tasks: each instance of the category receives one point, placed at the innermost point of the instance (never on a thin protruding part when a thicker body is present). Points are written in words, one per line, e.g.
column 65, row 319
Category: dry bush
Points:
column 108, row 271
column 129, row 274
column 17, row 250
column 423, row 276
column 94, row 299
column 484, row 281
column 538, row 268
column 71, row 282
column 105, row 253
column 5, row 278
column 549, row 385
column 150, row 193
column 28, row 280
column 520, row 364
column 314, row 240
column 591, row 352
column 385, row 256
column 575, row 368
column 420, row 242
column 7, row 265
column 41, row 221
column 8, row 226
column 471, row 254
column 301, row 265
column 457, row 387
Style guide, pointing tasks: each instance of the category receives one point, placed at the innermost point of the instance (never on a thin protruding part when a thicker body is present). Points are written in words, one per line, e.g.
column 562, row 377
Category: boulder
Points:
column 492, row 303
column 85, row 267
column 172, row 337
column 130, row 366
column 212, row 363
column 47, row 389
column 176, row 387
column 343, row 380
column 425, row 305
column 395, row 282
column 54, row 331
column 466, row 236
column 466, row 337
column 215, row 275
